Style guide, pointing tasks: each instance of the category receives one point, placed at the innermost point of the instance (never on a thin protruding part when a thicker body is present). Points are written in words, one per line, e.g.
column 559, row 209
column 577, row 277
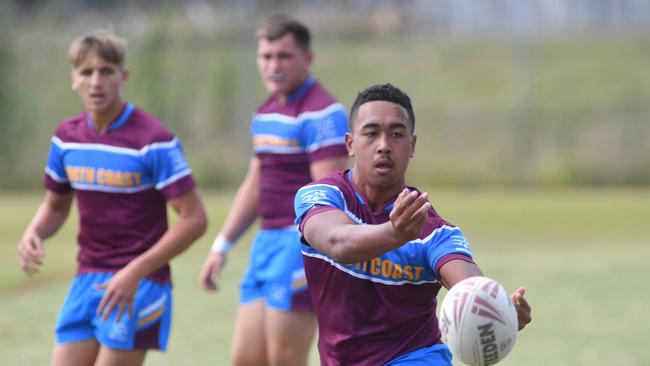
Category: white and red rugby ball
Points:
column 478, row 321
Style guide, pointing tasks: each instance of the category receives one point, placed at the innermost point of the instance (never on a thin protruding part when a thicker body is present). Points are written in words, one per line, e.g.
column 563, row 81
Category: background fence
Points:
column 506, row 92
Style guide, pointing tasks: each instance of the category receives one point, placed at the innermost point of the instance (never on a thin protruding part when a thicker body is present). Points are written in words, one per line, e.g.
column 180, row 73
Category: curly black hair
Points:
column 385, row 92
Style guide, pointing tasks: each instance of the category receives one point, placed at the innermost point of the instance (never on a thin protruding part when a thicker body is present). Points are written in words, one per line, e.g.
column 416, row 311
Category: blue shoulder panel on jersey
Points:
column 325, row 127
column 313, row 195
column 167, row 162
column 100, row 167
column 444, row 241
column 54, row 167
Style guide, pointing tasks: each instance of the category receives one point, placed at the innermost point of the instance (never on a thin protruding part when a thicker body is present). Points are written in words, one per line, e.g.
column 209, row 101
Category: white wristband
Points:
column 221, row 244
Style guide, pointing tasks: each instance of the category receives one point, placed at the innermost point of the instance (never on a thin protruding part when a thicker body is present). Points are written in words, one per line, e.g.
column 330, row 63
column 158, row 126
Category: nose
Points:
column 95, row 78
column 383, row 144
column 274, row 64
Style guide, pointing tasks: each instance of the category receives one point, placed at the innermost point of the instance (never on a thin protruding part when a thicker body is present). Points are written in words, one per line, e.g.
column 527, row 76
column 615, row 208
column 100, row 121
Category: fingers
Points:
column 120, row 310
column 210, row 273
column 109, row 302
column 207, row 279
column 105, row 299
column 523, row 308
column 409, row 213
column 30, row 253
column 407, row 204
column 423, row 210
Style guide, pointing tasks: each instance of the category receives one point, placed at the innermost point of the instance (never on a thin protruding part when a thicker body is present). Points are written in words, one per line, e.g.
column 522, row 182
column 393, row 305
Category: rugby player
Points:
column 298, row 135
column 123, row 167
column 376, row 252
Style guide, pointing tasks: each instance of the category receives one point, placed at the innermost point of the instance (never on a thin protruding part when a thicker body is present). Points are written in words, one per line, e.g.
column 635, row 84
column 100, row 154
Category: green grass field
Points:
column 581, row 254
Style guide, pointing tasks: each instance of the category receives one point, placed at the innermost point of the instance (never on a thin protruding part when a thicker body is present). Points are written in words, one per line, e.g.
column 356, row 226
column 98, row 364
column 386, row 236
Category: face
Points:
column 99, row 84
column 382, row 143
column 283, row 65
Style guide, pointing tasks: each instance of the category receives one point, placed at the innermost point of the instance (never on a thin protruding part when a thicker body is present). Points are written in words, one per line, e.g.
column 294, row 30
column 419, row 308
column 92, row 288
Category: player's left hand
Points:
column 522, row 306
column 120, row 292
column 409, row 214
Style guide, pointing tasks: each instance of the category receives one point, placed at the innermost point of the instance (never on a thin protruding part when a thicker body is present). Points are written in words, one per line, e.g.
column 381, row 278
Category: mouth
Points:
column 384, row 165
column 97, row 98
column 276, row 77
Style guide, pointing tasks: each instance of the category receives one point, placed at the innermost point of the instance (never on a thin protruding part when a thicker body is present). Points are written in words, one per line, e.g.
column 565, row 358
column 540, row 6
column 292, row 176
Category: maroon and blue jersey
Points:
column 371, row 312
column 122, row 180
column 311, row 126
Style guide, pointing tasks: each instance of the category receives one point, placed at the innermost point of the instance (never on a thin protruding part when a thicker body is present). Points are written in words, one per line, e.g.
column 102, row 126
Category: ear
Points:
column 414, row 139
column 125, row 75
column 73, row 83
column 349, row 142
column 310, row 57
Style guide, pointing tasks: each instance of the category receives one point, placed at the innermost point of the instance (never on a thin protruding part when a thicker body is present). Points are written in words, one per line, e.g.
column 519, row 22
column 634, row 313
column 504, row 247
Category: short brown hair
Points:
column 276, row 26
column 104, row 44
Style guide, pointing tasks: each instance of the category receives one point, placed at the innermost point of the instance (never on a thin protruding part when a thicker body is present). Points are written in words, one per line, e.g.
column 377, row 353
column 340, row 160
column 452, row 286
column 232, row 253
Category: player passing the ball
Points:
column 123, row 167
column 298, row 135
column 376, row 252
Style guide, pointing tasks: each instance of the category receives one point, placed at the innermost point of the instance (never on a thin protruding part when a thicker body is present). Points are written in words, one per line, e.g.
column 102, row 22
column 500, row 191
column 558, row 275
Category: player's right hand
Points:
column 211, row 271
column 30, row 253
column 409, row 214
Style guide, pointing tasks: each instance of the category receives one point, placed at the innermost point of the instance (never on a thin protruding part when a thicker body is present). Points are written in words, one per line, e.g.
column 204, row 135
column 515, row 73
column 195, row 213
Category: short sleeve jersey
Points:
column 287, row 138
column 122, row 180
column 371, row 312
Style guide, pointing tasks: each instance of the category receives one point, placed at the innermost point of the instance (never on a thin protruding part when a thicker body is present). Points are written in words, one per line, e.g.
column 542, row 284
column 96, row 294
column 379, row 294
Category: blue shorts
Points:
column 149, row 328
column 436, row 355
column 276, row 272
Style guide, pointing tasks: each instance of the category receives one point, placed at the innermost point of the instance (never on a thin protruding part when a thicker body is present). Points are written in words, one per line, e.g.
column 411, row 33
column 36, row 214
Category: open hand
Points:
column 119, row 291
column 409, row 214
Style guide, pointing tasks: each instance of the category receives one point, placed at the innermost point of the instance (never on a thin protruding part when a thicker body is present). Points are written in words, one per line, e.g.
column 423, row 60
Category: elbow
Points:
column 345, row 257
column 342, row 251
column 202, row 224
column 198, row 223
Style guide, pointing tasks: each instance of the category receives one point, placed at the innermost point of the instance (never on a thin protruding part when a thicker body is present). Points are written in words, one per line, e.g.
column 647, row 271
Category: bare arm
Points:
column 245, row 206
column 336, row 235
column 457, row 270
column 243, row 212
column 323, row 167
column 190, row 225
column 49, row 218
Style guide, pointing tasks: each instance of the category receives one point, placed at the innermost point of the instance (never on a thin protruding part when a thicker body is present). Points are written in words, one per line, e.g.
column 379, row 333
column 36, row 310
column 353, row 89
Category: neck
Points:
column 101, row 120
column 377, row 195
column 284, row 98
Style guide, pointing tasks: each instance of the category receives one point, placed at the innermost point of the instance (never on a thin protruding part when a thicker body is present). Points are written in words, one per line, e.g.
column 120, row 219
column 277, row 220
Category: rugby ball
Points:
column 478, row 321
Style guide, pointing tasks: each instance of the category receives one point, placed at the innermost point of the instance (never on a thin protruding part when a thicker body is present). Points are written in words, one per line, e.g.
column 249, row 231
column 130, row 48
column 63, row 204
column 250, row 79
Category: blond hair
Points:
column 102, row 43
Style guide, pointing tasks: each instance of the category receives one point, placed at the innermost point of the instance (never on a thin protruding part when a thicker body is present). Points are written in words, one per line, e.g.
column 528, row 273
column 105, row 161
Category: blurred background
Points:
column 532, row 118
column 506, row 92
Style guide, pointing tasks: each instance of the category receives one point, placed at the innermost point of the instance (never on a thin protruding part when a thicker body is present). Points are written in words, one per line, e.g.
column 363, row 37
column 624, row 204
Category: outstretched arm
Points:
column 190, row 225
column 335, row 234
column 48, row 219
column 243, row 212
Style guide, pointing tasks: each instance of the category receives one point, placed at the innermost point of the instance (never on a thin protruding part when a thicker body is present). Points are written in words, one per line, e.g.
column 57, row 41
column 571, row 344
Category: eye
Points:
column 285, row 56
column 107, row 71
column 86, row 72
column 398, row 134
column 370, row 133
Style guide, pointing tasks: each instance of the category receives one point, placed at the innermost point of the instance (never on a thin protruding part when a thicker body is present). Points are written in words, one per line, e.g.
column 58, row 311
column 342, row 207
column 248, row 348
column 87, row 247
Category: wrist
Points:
column 221, row 244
